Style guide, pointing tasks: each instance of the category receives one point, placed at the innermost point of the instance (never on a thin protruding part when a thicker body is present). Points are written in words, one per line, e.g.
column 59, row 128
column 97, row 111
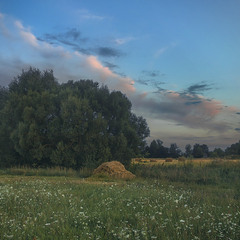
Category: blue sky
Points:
column 177, row 61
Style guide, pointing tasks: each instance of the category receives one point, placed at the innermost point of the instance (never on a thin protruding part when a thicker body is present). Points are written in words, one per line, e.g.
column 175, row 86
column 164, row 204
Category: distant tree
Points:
column 188, row 150
column 153, row 149
column 157, row 150
column 218, row 152
column 205, row 150
column 200, row 151
column 174, row 151
column 197, row 151
column 234, row 149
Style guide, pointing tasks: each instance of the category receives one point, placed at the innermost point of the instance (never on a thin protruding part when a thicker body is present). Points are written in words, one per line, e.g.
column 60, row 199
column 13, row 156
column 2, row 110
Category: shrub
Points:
column 168, row 160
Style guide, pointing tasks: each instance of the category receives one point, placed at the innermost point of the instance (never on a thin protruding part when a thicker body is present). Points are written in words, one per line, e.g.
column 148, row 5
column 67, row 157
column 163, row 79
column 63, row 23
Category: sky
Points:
column 177, row 61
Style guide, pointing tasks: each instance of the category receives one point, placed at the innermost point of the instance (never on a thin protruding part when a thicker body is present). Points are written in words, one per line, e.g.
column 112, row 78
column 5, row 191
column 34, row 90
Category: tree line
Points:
column 157, row 150
column 74, row 124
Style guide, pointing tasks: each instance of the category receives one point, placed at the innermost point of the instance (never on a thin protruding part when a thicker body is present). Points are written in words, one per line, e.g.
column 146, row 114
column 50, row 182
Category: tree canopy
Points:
column 74, row 124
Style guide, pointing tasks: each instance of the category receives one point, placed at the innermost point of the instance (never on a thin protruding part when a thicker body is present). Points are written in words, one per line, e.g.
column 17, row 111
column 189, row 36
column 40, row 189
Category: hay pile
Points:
column 113, row 169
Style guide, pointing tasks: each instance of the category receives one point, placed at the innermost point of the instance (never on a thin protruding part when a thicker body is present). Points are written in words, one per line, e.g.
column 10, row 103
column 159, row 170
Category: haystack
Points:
column 113, row 169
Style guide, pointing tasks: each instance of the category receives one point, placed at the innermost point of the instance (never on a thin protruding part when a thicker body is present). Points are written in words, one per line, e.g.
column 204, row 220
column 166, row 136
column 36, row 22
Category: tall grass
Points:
column 55, row 171
column 215, row 172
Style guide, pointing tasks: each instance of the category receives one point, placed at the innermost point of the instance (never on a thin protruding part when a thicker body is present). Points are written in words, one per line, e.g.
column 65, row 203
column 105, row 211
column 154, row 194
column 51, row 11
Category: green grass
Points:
column 33, row 207
column 56, row 171
column 225, row 173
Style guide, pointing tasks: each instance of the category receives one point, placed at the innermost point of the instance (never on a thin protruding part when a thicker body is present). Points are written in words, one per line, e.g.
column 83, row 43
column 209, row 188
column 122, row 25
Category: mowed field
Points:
column 151, row 207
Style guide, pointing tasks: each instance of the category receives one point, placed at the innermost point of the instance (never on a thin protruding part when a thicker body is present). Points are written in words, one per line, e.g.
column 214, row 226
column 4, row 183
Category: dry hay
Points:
column 153, row 160
column 113, row 169
column 139, row 160
column 168, row 160
column 182, row 159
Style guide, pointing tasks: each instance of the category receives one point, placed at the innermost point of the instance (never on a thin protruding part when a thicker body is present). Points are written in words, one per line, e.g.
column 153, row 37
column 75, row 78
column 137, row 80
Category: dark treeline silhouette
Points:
column 157, row 150
column 74, row 124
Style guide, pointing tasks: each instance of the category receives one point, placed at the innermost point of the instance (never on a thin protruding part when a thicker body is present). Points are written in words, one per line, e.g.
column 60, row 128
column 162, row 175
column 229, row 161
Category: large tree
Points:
column 74, row 124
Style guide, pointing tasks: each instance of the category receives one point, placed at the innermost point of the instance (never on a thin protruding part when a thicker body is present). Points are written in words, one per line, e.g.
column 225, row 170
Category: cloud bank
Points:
column 190, row 110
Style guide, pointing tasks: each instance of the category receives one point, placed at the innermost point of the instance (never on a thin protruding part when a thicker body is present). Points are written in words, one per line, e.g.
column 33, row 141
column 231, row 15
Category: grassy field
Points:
column 182, row 160
column 200, row 171
column 72, row 207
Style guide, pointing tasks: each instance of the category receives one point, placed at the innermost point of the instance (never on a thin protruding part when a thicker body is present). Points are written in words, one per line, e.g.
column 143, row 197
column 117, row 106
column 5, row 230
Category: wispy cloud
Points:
column 121, row 41
column 186, row 109
column 87, row 15
column 152, row 78
column 162, row 50
column 67, row 37
column 110, row 65
column 199, row 88
column 107, row 52
column 65, row 62
column 153, row 73
column 73, row 38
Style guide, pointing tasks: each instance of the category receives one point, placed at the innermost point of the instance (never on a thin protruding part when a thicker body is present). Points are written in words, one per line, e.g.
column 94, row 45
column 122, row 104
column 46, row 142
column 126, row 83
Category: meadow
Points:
column 200, row 171
column 71, row 206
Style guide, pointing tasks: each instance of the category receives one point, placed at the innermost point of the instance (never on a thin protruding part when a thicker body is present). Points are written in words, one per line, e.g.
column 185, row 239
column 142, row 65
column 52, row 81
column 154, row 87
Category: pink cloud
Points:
column 26, row 34
column 211, row 108
column 108, row 77
column 189, row 110
column 98, row 67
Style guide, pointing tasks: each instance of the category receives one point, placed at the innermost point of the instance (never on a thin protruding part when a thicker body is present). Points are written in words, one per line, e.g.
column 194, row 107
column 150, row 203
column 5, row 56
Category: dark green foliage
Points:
column 75, row 124
column 188, row 150
column 200, row 151
column 157, row 150
column 174, row 151
column 234, row 149
column 217, row 153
